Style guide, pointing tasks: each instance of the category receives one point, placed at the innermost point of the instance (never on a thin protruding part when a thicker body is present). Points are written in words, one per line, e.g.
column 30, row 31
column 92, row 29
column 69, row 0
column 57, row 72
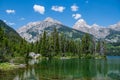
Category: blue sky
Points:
column 20, row 12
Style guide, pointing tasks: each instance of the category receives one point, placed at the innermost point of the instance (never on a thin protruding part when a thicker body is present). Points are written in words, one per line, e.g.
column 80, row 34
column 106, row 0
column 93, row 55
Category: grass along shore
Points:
column 6, row 66
column 10, row 66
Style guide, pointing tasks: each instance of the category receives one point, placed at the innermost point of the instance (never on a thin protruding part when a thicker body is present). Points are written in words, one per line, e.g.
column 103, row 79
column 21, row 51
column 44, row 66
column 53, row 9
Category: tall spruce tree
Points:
column 43, row 50
column 85, row 44
column 1, row 41
column 56, row 41
column 98, row 46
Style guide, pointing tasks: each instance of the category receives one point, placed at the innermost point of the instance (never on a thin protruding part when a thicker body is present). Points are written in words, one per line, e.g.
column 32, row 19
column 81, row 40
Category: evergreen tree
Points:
column 1, row 34
column 85, row 44
column 56, row 41
column 103, row 48
column 43, row 50
column 1, row 42
column 98, row 47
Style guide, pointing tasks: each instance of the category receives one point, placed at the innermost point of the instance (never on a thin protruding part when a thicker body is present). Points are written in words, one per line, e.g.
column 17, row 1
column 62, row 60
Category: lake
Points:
column 67, row 69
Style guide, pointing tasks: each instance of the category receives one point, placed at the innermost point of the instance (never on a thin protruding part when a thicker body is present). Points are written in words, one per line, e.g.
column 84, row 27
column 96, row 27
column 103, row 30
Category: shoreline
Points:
column 7, row 66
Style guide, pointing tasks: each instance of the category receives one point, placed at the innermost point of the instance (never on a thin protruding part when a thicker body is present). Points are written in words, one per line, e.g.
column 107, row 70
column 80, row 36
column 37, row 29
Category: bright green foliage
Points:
column 7, row 66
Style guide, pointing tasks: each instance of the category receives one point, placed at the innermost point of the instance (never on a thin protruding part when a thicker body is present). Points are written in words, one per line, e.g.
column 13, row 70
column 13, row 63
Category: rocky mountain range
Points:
column 110, row 33
column 33, row 30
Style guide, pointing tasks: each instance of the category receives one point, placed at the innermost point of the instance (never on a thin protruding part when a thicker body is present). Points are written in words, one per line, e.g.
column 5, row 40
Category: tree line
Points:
column 49, row 45
column 58, row 44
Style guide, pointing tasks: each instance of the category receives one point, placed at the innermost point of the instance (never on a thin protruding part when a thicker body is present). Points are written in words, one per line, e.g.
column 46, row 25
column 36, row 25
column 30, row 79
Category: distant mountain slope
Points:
column 11, row 33
column 32, row 31
column 115, row 27
column 111, row 33
column 114, row 36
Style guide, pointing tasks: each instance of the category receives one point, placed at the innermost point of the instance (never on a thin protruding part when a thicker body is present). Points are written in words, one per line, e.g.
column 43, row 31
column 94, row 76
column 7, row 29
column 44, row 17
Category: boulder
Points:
column 34, row 55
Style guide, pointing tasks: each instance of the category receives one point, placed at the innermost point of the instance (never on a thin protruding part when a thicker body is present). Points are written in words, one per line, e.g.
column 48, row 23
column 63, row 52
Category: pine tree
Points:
column 98, row 46
column 1, row 42
column 85, row 44
column 56, row 41
column 1, row 34
column 43, row 50
column 103, row 48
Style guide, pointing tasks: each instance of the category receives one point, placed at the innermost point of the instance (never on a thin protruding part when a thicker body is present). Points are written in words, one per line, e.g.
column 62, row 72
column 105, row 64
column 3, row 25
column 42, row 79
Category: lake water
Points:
column 67, row 69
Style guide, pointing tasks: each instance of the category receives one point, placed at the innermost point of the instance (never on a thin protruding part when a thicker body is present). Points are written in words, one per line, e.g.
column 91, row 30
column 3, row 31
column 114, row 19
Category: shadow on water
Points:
column 68, row 69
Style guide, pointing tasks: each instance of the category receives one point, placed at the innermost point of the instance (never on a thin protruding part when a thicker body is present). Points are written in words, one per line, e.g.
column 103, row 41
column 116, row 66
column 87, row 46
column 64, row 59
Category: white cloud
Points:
column 39, row 8
column 74, row 7
column 9, row 23
column 58, row 8
column 10, row 11
column 22, row 18
column 76, row 16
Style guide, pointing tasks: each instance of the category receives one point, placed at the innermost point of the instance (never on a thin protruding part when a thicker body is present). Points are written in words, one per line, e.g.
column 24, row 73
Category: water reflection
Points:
column 70, row 69
column 33, row 61
column 28, row 74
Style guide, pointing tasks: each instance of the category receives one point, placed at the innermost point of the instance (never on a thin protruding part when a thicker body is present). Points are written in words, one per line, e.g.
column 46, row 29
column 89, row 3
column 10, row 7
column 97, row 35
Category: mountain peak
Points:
column 81, row 20
column 81, row 23
column 95, row 25
column 49, row 19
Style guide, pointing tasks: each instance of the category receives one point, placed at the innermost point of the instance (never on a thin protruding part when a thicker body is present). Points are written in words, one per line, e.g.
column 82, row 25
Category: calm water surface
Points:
column 67, row 69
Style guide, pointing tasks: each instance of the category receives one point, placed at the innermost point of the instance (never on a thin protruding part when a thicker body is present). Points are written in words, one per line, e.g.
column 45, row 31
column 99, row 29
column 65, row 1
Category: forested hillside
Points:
column 11, row 44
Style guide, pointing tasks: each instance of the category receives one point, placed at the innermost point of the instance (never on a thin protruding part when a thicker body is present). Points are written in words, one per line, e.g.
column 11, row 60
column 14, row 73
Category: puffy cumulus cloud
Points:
column 74, row 7
column 58, row 8
column 39, row 8
column 76, row 16
column 10, row 11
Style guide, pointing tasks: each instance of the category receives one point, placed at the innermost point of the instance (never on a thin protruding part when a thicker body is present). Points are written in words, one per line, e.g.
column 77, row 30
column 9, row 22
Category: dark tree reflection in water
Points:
column 67, row 69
